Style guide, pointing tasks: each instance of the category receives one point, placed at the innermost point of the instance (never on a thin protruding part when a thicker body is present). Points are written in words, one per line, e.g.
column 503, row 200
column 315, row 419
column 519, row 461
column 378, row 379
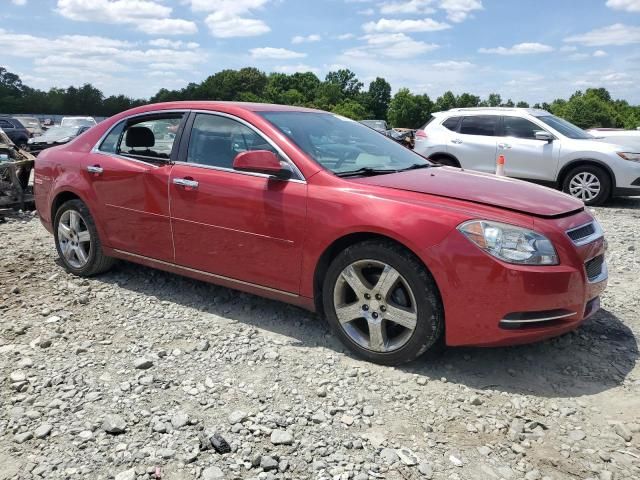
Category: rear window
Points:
column 451, row 123
column 484, row 125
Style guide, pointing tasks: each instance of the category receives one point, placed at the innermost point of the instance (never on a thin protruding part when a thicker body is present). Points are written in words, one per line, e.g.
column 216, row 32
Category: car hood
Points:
column 481, row 188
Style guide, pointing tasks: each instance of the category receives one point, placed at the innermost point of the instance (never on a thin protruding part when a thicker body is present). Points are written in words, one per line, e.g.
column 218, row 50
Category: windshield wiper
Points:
column 365, row 171
column 416, row 166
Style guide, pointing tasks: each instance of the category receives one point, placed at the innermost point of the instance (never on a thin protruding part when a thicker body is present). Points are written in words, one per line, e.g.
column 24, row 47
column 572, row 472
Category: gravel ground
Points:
column 119, row 375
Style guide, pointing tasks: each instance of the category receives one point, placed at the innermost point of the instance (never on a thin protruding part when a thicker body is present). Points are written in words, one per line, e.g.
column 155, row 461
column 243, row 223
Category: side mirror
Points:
column 261, row 161
column 544, row 136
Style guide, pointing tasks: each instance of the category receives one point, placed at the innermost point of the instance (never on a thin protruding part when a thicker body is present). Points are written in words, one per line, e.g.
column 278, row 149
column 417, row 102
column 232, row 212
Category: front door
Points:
column 129, row 174
column 247, row 227
column 475, row 143
column 525, row 156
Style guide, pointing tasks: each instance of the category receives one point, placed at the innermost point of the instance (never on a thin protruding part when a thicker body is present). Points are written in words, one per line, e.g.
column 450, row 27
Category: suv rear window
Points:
column 451, row 123
column 480, row 125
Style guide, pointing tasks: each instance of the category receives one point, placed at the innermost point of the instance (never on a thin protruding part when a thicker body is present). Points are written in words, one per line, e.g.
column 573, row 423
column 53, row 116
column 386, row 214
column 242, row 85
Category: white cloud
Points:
column 568, row 48
column 407, row 7
column 626, row 5
column 223, row 27
column 453, row 65
column 599, row 53
column 232, row 18
column 394, row 45
column 389, row 25
column 146, row 16
column 308, row 38
column 20, row 3
column 346, row 36
column 519, row 49
column 300, row 67
column 175, row 44
column 616, row 34
column 460, row 10
column 275, row 53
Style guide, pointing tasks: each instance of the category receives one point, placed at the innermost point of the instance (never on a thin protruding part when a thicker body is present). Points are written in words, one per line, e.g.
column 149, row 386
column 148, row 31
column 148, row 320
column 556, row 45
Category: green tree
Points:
column 378, row 98
column 408, row 110
column 494, row 100
column 445, row 102
column 351, row 109
column 466, row 100
column 348, row 82
column 522, row 104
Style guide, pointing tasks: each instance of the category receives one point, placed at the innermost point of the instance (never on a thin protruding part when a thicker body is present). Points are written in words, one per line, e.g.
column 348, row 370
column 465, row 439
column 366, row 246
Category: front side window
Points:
column 567, row 129
column 520, row 128
column 5, row 125
column 344, row 146
column 485, row 125
column 147, row 138
column 216, row 140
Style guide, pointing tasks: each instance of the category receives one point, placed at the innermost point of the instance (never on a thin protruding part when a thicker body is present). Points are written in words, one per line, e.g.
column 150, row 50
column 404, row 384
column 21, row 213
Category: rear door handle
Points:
column 185, row 182
column 97, row 169
column 456, row 140
column 504, row 146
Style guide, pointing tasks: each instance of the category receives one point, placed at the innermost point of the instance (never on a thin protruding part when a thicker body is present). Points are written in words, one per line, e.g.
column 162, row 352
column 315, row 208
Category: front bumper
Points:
column 492, row 303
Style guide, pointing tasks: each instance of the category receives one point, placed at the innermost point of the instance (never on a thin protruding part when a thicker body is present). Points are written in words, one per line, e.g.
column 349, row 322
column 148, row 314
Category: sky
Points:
column 532, row 50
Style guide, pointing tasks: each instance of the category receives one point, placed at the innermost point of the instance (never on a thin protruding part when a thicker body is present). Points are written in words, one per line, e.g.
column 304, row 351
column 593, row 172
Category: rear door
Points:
column 129, row 173
column 525, row 156
column 247, row 227
column 475, row 144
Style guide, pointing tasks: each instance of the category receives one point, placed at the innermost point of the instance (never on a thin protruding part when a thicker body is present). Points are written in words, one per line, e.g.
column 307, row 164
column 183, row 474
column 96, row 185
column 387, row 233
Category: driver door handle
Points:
column 456, row 141
column 504, row 146
column 97, row 169
column 185, row 182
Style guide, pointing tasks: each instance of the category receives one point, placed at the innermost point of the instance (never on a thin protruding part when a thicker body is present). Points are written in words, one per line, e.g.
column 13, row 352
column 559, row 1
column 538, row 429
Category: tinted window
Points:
column 520, row 128
column 451, row 123
column 340, row 144
column 479, row 125
column 149, row 138
column 5, row 124
column 216, row 140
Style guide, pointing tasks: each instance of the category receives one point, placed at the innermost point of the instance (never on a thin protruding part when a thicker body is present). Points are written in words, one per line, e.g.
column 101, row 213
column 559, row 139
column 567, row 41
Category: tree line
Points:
column 340, row 92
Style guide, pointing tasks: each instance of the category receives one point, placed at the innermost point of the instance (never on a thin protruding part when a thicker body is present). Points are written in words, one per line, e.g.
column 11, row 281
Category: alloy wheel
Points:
column 375, row 305
column 74, row 239
column 585, row 186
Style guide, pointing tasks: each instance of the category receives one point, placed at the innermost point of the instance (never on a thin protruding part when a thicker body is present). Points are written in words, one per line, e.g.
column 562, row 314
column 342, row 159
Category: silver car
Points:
column 537, row 146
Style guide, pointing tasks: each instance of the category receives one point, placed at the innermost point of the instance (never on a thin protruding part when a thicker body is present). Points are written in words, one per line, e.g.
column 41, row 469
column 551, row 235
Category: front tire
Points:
column 382, row 303
column 77, row 240
column 588, row 183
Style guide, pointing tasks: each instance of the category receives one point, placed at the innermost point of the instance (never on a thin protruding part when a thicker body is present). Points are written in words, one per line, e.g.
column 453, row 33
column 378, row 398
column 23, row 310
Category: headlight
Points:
column 510, row 243
column 634, row 157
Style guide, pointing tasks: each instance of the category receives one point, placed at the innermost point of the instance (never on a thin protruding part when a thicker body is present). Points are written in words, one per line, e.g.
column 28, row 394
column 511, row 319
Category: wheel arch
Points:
column 64, row 195
column 433, row 156
column 338, row 245
column 579, row 162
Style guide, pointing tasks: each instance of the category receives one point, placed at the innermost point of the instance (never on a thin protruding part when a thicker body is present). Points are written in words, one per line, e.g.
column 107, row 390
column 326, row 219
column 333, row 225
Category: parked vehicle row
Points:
column 316, row 210
column 537, row 146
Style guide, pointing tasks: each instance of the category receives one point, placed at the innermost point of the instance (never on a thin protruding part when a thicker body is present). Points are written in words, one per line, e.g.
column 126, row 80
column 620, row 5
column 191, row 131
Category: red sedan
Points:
column 320, row 211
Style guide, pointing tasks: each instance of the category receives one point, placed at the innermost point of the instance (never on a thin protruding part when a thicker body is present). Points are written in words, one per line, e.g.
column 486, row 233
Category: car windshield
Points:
column 28, row 121
column 60, row 132
column 567, row 129
column 342, row 145
column 376, row 124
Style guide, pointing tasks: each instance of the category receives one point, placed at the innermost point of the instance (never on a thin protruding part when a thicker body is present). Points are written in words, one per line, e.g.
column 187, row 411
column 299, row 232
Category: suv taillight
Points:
column 421, row 134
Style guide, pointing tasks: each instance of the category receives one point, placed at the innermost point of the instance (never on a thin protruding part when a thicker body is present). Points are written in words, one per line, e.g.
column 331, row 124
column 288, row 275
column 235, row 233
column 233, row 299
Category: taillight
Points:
column 421, row 134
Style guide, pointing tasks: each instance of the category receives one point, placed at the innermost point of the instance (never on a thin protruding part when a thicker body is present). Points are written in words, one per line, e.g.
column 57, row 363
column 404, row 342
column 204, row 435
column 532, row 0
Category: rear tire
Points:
column 588, row 183
column 445, row 160
column 382, row 303
column 77, row 240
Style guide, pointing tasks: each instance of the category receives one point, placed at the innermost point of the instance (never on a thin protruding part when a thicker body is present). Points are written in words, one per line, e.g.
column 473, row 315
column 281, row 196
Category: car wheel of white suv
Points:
column 588, row 183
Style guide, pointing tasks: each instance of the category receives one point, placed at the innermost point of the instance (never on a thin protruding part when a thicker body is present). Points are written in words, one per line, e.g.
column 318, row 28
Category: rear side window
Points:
column 216, row 140
column 485, row 125
column 4, row 124
column 451, row 123
column 520, row 128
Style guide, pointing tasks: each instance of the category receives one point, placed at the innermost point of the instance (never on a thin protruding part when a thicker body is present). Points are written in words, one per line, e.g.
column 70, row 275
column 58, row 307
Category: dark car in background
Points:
column 55, row 136
column 32, row 124
column 15, row 131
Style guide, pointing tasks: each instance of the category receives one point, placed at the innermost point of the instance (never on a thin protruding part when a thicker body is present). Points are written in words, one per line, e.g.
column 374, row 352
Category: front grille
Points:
column 594, row 267
column 581, row 232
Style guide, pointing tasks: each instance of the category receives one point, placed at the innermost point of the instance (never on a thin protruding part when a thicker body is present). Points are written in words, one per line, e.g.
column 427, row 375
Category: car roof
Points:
column 222, row 105
column 536, row 112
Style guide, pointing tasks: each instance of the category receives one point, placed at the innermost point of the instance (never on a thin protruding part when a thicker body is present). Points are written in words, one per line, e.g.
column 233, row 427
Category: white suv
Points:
column 537, row 146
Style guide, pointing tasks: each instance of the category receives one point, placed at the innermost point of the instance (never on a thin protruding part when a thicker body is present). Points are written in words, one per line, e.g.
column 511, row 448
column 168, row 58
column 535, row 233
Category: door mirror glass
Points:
column 545, row 136
column 261, row 161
